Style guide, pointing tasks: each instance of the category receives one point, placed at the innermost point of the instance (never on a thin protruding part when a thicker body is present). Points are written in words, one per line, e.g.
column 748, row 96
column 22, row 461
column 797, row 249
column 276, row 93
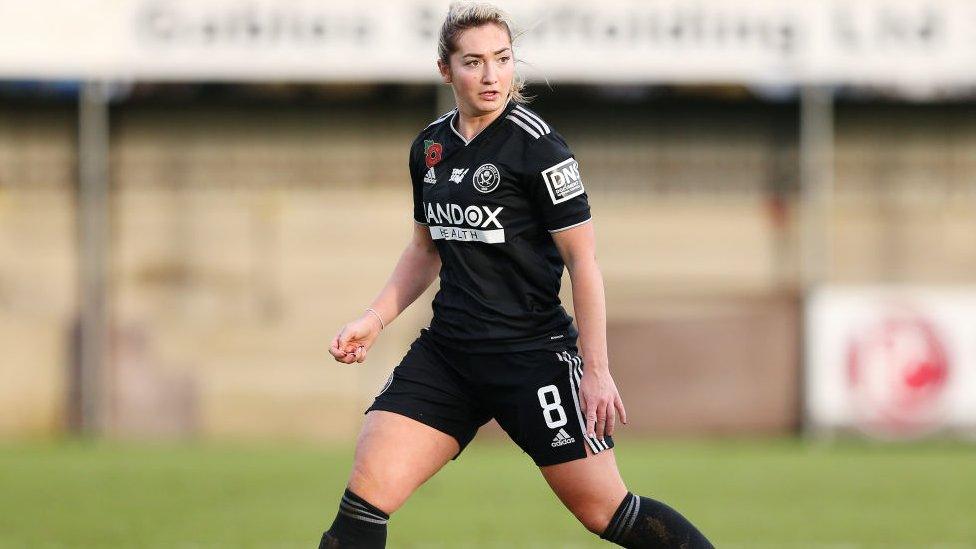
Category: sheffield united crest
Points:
column 486, row 178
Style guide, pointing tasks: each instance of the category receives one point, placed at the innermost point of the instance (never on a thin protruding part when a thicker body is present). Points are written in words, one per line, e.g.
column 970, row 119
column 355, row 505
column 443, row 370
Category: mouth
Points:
column 489, row 95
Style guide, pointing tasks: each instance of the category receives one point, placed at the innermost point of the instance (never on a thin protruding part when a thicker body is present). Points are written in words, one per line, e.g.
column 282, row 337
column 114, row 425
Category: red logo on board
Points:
column 897, row 371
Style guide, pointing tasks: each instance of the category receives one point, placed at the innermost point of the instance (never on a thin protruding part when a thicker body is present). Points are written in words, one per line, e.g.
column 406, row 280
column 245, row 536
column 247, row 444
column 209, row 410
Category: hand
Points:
column 601, row 402
column 354, row 339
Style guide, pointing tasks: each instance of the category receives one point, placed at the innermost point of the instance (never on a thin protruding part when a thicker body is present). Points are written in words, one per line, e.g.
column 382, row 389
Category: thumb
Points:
column 361, row 330
column 356, row 331
column 347, row 334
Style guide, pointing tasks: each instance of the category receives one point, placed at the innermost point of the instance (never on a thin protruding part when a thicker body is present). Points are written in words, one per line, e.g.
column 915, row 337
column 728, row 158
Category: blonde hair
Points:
column 462, row 16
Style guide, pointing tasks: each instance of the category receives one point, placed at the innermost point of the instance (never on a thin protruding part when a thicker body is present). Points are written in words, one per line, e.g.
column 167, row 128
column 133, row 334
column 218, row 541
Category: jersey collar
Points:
column 484, row 131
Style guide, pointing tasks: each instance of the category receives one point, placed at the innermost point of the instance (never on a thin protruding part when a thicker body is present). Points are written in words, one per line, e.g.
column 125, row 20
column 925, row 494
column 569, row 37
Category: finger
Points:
column 360, row 353
column 601, row 420
column 337, row 353
column 351, row 344
column 611, row 421
column 621, row 411
column 348, row 357
column 344, row 337
column 334, row 347
column 590, row 421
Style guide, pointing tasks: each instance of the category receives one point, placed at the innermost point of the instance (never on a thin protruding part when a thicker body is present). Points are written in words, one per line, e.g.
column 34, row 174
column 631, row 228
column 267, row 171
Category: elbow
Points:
column 427, row 248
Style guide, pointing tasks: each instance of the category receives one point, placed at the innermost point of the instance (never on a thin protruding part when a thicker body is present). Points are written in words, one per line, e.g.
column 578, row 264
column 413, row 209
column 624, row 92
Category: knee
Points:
column 377, row 489
column 593, row 515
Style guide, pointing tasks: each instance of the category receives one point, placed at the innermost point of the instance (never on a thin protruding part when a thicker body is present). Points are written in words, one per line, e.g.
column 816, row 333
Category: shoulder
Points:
column 417, row 146
column 542, row 145
column 436, row 124
column 529, row 123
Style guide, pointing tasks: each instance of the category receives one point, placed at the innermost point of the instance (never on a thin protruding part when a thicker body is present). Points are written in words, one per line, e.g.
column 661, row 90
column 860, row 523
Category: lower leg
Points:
column 394, row 456
column 592, row 489
column 641, row 523
column 358, row 524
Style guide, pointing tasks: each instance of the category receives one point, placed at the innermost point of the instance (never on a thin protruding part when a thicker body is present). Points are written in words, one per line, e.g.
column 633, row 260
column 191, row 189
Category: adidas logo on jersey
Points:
column 431, row 177
column 562, row 438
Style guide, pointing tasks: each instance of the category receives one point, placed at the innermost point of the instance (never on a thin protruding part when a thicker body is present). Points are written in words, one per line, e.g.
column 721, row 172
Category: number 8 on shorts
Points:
column 545, row 393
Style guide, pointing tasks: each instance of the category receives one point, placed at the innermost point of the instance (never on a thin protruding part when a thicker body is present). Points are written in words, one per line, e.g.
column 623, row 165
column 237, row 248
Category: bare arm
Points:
column 598, row 392
column 414, row 272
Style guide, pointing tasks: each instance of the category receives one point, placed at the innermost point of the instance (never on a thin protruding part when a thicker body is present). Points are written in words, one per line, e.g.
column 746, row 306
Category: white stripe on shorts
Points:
column 578, row 372
column 565, row 357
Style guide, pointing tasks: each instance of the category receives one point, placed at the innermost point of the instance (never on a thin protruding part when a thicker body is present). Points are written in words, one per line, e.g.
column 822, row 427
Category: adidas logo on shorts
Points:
column 562, row 438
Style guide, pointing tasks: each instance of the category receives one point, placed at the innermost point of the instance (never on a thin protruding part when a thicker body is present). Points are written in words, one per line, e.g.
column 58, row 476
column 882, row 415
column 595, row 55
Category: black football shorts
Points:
column 534, row 396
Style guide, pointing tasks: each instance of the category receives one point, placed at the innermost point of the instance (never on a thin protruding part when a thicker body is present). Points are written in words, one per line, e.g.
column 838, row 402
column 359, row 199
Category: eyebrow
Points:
column 481, row 56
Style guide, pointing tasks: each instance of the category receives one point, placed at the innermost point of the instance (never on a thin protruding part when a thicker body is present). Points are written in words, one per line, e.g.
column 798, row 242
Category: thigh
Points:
column 394, row 456
column 590, row 488
column 429, row 387
column 422, row 418
column 535, row 399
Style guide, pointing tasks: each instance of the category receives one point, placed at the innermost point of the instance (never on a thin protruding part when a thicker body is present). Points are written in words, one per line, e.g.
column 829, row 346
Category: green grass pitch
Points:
column 742, row 493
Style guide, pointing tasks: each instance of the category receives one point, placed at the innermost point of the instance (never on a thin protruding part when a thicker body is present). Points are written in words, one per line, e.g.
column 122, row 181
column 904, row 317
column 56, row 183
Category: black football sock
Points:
column 358, row 525
column 643, row 523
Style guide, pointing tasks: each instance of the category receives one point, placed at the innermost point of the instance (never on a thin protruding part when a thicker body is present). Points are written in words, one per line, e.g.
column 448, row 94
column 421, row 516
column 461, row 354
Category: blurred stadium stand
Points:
column 248, row 225
column 250, row 221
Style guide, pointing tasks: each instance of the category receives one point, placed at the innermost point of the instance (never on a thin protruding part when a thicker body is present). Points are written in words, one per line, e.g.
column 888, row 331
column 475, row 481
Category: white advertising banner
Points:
column 917, row 42
column 891, row 362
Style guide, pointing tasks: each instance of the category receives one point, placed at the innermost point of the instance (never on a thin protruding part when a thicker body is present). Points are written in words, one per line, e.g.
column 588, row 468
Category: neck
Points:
column 469, row 125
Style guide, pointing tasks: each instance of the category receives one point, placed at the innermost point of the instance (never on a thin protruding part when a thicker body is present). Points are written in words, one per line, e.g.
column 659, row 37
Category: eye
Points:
column 504, row 59
column 472, row 63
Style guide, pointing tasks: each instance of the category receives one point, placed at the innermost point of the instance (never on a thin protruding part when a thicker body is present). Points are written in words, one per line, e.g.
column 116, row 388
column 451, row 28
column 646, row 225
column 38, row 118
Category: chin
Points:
column 487, row 106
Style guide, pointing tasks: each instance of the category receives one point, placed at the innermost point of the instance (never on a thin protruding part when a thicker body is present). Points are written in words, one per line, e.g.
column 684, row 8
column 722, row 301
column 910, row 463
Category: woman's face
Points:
column 481, row 70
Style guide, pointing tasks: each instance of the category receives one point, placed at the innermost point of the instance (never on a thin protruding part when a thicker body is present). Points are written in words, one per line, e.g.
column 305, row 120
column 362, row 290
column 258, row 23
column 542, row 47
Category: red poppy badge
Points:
column 432, row 152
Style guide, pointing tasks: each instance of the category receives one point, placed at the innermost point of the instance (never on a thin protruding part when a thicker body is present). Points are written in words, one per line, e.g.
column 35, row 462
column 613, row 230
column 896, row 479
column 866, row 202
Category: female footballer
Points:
column 499, row 210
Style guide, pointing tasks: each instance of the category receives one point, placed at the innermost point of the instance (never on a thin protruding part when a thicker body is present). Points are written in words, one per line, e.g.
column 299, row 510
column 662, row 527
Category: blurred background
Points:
column 196, row 196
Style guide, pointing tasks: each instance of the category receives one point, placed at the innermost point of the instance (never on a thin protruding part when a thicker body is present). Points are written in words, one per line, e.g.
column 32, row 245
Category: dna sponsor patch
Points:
column 563, row 181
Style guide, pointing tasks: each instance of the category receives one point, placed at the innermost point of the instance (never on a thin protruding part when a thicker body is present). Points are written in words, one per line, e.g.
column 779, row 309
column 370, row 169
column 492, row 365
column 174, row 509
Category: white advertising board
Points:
column 916, row 42
column 891, row 362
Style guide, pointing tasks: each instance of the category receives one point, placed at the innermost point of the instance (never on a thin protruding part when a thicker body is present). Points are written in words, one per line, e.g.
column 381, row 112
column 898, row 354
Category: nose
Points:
column 490, row 76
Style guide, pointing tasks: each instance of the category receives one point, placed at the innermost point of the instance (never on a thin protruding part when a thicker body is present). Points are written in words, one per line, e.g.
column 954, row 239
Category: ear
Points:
column 445, row 71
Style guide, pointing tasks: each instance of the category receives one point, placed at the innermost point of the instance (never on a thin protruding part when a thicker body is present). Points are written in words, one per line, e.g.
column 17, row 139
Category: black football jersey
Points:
column 491, row 205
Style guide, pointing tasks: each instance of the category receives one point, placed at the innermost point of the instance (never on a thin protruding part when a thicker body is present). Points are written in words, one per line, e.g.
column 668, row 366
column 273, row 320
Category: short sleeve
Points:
column 554, row 183
column 416, row 179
